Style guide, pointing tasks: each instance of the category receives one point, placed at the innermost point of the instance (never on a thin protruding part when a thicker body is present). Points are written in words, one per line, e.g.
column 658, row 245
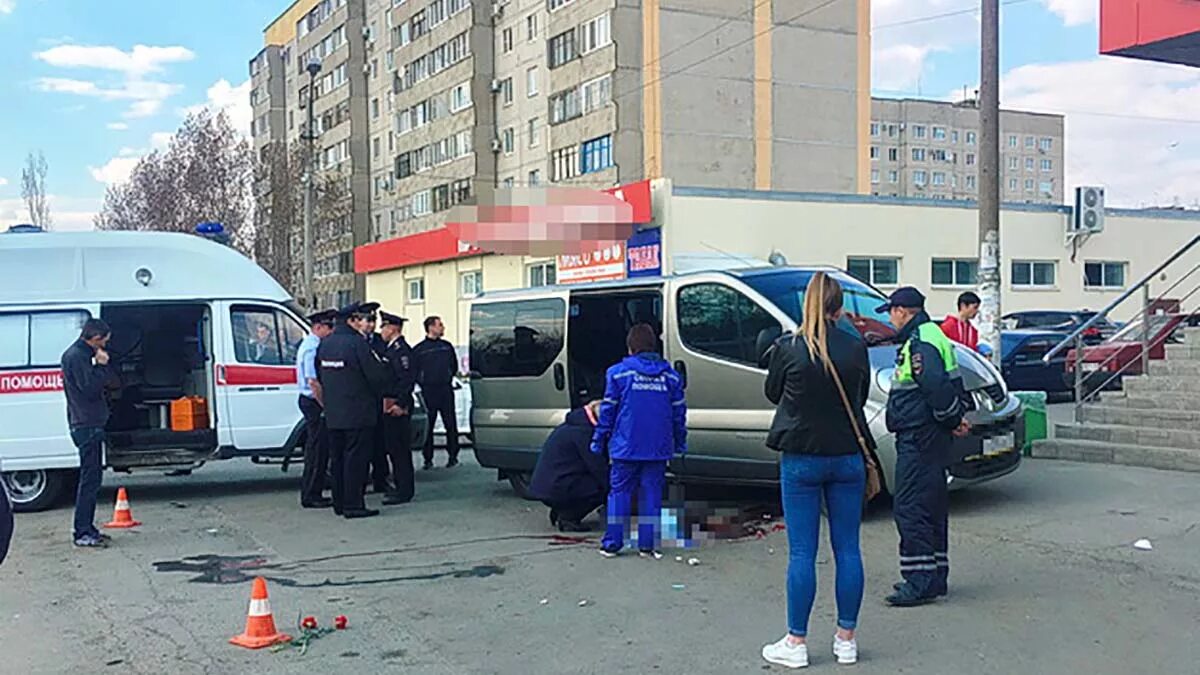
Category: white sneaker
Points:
column 783, row 653
column 846, row 651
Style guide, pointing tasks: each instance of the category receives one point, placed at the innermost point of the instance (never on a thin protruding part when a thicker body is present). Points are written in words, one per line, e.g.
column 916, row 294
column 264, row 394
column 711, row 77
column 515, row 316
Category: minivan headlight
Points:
column 883, row 379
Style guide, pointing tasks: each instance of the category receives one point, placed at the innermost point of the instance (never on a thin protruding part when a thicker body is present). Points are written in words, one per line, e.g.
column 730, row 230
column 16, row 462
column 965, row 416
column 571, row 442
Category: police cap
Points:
column 323, row 316
column 391, row 319
column 906, row 296
column 368, row 309
column 352, row 309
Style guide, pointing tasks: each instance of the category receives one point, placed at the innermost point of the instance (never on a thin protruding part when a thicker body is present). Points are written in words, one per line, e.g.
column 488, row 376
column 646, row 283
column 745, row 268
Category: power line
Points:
column 943, row 15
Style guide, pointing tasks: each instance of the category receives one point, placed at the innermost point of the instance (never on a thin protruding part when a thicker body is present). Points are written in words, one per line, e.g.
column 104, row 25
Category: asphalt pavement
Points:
column 464, row 580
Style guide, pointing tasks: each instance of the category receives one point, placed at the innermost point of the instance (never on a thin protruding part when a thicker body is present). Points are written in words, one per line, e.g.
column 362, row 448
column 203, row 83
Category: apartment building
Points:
column 930, row 149
column 448, row 101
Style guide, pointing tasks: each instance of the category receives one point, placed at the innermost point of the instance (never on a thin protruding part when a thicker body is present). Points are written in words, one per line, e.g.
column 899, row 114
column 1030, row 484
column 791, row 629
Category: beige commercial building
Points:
column 930, row 150
column 887, row 241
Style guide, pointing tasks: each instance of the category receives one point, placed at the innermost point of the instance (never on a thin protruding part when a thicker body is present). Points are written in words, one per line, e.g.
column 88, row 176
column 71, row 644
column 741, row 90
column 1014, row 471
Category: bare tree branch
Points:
column 33, row 190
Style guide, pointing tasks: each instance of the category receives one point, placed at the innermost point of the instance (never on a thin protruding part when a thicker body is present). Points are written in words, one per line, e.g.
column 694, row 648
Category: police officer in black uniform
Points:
column 353, row 380
column 436, row 364
column 398, row 404
column 379, row 460
column 926, row 408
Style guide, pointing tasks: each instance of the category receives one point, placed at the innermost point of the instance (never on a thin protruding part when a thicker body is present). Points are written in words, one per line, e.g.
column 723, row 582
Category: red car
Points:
column 1121, row 354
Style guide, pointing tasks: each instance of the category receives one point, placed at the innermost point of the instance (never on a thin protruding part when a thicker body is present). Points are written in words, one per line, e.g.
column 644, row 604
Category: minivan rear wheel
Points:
column 519, row 480
column 35, row 490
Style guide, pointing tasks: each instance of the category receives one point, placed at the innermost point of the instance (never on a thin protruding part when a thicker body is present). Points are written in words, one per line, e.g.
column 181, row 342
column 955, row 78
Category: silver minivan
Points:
column 538, row 352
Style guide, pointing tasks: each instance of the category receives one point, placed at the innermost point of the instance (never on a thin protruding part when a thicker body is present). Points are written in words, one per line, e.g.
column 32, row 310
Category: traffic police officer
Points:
column 379, row 461
column 925, row 410
column 353, row 380
column 316, row 440
column 436, row 364
column 398, row 404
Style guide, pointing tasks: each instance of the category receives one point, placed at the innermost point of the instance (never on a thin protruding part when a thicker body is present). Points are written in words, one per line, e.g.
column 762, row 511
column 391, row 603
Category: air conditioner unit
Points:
column 495, row 145
column 495, row 86
column 1088, row 216
column 498, row 9
column 366, row 32
column 366, row 69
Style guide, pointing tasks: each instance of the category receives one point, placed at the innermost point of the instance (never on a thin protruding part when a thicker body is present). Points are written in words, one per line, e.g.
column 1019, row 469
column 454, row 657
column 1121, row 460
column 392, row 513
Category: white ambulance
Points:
column 191, row 319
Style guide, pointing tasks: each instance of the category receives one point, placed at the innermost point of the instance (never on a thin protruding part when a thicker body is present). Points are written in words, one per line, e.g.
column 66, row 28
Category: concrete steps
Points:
column 1117, row 434
column 1175, row 367
column 1171, row 459
column 1151, row 416
column 1188, row 384
column 1171, row 401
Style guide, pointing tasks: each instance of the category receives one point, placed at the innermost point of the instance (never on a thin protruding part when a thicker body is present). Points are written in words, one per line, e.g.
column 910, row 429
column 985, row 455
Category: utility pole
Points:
column 310, row 137
column 989, row 178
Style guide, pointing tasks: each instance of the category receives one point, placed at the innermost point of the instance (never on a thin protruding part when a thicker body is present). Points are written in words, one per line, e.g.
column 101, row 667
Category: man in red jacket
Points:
column 958, row 327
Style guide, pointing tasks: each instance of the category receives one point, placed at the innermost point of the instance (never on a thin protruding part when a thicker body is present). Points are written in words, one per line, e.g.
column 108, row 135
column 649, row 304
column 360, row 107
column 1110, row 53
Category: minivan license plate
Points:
column 998, row 445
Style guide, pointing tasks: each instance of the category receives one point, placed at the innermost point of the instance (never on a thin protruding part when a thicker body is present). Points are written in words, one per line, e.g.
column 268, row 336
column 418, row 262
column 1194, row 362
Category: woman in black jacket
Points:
column 822, row 459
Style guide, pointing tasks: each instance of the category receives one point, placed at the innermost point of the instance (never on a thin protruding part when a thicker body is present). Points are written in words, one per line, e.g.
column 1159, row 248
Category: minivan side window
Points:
column 265, row 336
column 718, row 320
column 37, row 340
column 516, row 339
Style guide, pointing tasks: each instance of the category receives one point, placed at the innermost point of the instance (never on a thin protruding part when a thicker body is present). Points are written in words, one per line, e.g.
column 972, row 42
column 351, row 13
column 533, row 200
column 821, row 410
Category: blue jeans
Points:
column 804, row 480
column 89, row 440
column 647, row 478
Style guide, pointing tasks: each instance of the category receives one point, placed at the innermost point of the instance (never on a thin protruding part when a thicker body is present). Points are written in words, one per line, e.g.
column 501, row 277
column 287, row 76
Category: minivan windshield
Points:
column 785, row 288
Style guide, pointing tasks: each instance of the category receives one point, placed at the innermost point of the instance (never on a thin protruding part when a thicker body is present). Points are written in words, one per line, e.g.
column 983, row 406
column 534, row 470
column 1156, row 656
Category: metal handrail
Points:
column 1103, row 314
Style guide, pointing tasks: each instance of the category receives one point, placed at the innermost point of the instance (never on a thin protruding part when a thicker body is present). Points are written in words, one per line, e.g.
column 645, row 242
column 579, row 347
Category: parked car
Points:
column 538, row 352
column 1021, row 361
column 1061, row 321
column 1121, row 354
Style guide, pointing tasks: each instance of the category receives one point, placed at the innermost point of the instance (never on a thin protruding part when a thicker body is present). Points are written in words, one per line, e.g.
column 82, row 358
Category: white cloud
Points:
column 118, row 126
column 1074, row 12
column 116, row 170
column 235, row 101
column 135, row 63
column 147, row 108
column 1130, row 124
column 3, row 181
column 68, row 213
column 905, row 34
column 7, row 6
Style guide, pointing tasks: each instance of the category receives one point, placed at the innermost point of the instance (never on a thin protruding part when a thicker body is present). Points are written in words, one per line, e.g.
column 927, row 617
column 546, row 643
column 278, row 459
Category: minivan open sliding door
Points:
column 519, row 387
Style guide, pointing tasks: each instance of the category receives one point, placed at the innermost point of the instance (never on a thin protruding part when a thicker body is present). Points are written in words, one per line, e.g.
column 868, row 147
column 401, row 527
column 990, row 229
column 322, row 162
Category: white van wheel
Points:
column 35, row 490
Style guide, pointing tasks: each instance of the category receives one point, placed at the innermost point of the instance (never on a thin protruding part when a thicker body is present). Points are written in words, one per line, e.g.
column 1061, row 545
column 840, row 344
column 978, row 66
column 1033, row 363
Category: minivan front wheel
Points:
column 519, row 480
column 35, row 490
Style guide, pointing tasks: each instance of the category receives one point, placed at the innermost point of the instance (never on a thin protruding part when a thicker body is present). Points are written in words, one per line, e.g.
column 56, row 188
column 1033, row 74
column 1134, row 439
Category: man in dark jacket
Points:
column 643, row 423
column 436, row 364
column 86, row 376
column 379, row 457
column 926, row 408
column 353, row 380
column 6, row 522
column 398, row 402
column 569, row 478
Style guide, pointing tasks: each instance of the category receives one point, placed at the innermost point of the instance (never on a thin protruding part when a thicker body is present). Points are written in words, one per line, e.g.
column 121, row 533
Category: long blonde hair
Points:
column 822, row 301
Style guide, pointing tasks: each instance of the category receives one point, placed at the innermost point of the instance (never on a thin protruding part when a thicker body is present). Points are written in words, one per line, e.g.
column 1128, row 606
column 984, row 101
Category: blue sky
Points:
column 96, row 84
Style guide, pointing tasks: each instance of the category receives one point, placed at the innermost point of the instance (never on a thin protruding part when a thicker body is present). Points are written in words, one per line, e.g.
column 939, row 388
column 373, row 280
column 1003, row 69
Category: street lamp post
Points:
column 310, row 136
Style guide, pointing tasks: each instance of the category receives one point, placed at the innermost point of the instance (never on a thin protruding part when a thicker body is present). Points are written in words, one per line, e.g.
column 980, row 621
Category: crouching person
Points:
column 569, row 478
column 642, row 425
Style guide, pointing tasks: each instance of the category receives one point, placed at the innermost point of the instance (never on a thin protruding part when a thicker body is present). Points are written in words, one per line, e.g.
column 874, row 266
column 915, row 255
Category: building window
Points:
column 460, row 190
column 508, row 183
column 561, row 48
column 441, row 197
column 542, row 274
column 893, row 154
column 555, row 4
column 595, row 94
column 420, row 203
column 1014, row 163
column 893, row 176
column 1012, row 140
column 1104, row 274
column 564, row 163
column 971, row 183
column 1046, row 188
column 597, row 154
column 874, row 129
column 970, row 138
column 1012, row 184
column 1029, row 185
column 507, row 40
column 939, row 178
column 460, row 97
column 534, row 132
column 470, row 284
column 954, row 136
column 919, row 131
column 595, row 34
column 970, row 159
column 1033, row 274
column 874, row 152
column 531, row 81
column 953, row 272
column 506, row 91
column 919, row 178
column 1045, row 143
column 939, row 156
column 877, row 271
column 507, row 137
column 375, row 147
column 1029, row 164
column 535, row 177
column 875, row 176
column 416, row 290
column 918, row 154
column 1047, row 165
column 1029, row 142
column 531, row 27
column 939, row 133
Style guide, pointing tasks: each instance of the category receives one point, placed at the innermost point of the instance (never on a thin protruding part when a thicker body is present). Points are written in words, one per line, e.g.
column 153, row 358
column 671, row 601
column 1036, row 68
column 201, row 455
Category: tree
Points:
column 203, row 175
column 33, row 190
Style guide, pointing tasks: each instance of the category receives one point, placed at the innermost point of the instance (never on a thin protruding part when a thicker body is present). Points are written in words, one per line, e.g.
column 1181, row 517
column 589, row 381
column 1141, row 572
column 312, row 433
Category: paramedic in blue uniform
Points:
column 925, row 410
column 316, row 439
column 398, row 401
column 436, row 364
column 379, row 460
column 353, row 380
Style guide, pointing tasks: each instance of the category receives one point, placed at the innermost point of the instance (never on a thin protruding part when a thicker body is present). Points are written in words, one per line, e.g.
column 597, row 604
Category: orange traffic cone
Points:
column 260, row 624
column 122, row 516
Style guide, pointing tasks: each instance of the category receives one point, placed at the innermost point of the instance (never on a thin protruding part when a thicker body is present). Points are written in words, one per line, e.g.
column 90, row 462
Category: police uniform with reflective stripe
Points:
column 926, row 403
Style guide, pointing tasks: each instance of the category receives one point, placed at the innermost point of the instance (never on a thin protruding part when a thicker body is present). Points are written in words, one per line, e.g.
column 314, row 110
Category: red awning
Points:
column 415, row 249
column 1154, row 30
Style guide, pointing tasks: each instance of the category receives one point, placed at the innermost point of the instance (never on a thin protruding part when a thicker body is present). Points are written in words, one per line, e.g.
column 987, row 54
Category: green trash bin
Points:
column 1034, row 405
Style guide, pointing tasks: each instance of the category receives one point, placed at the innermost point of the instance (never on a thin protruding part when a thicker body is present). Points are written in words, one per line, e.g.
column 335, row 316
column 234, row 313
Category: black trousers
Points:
column 575, row 510
column 349, row 455
column 397, row 433
column 379, row 455
column 316, row 451
column 922, row 507
column 439, row 402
